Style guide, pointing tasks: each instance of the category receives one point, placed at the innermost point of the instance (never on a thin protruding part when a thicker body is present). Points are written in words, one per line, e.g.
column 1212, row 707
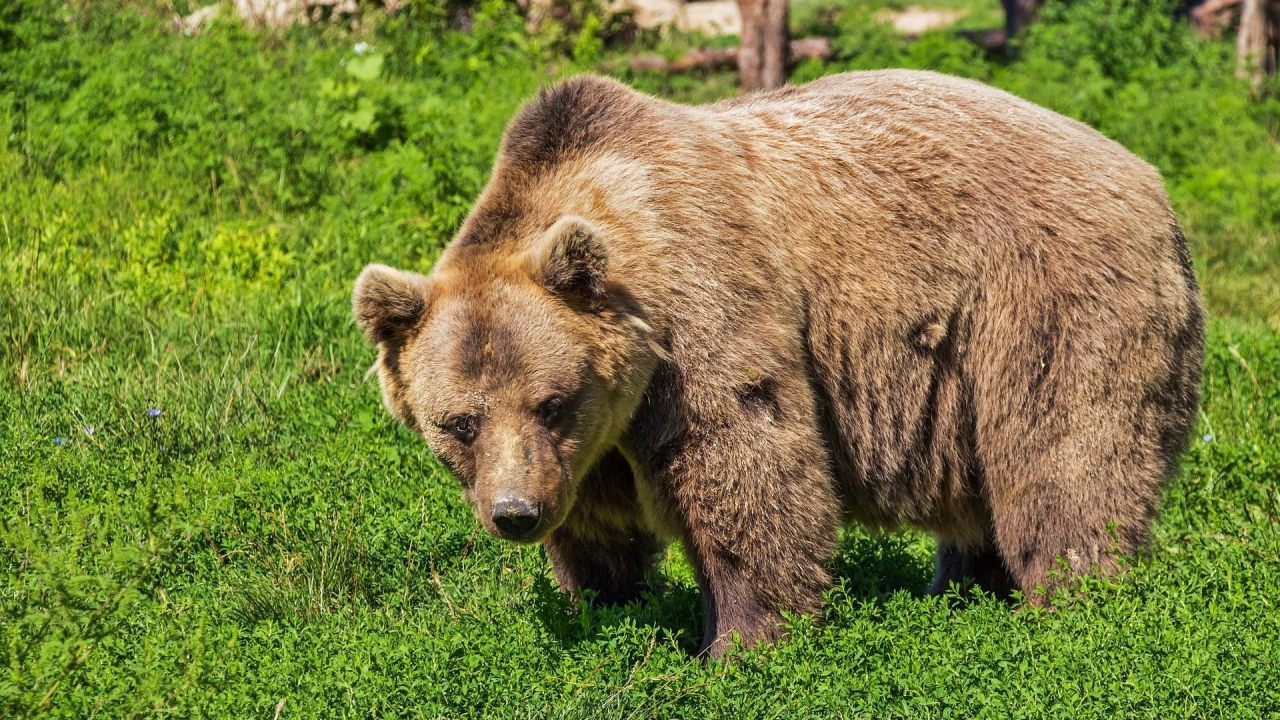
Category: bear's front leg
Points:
column 753, row 570
column 752, row 493
column 604, row 546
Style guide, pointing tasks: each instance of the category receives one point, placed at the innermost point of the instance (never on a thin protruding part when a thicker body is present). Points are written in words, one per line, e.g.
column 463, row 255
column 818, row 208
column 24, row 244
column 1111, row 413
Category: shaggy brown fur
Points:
column 887, row 297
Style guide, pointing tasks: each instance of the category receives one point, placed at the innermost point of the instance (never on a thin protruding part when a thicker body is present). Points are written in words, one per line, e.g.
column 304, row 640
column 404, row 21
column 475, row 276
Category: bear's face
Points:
column 519, row 371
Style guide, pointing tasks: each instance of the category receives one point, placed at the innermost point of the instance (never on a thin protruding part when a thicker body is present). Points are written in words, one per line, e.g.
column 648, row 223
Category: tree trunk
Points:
column 776, row 41
column 762, row 57
column 1251, row 43
column 1017, row 15
column 749, row 47
column 1273, row 37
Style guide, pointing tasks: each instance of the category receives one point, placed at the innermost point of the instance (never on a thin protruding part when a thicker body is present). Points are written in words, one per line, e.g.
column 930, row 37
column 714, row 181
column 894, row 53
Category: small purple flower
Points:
column 59, row 441
column 1208, row 437
column 361, row 48
column 89, row 430
column 154, row 412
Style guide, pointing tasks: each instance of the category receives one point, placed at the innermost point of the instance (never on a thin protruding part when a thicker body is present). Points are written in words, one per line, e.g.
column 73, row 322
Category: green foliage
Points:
column 180, row 221
column 580, row 29
column 1120, row 38
column 586, row 49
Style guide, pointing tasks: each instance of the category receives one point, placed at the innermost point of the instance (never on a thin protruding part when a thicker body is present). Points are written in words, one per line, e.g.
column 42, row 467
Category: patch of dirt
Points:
column 916, row 20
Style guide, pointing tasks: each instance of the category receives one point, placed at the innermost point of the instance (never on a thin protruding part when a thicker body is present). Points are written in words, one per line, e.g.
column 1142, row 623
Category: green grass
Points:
column 180, row 221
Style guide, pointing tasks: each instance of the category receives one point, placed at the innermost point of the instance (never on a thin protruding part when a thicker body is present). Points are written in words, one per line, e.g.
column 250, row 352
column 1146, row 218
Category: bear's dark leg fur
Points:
column 754, row 565
column 603, row 546
column 966, row 567
column 733, row 606
column 746, row 484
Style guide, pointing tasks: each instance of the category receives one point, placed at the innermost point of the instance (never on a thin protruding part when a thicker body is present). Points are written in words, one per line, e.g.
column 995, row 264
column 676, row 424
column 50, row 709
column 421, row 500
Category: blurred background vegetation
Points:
column 205, row 511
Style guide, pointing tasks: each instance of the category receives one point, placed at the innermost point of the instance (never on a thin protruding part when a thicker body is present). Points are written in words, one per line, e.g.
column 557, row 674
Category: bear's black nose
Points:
column 515, row 518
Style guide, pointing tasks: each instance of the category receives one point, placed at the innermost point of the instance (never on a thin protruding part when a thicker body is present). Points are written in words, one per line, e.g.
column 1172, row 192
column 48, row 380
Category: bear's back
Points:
column 915, row 133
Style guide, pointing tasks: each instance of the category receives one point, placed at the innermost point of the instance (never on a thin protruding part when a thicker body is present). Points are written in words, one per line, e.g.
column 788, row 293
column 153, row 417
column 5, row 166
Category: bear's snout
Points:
column 516, row 518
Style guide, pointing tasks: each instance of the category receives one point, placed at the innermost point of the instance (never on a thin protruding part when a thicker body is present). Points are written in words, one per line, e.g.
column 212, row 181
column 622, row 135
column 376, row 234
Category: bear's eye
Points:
column 462, row 427
column 550, row 410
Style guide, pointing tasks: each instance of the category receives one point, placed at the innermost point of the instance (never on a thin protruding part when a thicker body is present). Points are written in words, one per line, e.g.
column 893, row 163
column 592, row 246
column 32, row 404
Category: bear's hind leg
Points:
column 1072, row 484
column 1082, row 402
column 1045, row 546
column 1070, row 501
column 971, row 566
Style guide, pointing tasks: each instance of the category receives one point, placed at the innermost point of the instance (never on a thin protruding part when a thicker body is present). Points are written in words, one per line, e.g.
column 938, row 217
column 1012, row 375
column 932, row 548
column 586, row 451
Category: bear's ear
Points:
column 571, row 259
column 387, row 302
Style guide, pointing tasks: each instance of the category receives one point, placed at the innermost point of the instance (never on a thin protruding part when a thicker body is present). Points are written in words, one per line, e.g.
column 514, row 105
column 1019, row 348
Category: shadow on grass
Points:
column 673, row 608
column 868, row 568
column 876, row 567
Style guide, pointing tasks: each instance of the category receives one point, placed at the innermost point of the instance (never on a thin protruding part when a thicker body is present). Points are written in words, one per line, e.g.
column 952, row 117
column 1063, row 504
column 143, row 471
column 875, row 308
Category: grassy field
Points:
column 205, row 511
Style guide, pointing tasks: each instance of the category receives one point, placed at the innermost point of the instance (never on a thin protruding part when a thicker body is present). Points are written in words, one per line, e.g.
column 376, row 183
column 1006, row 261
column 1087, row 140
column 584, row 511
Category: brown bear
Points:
column 892, row 297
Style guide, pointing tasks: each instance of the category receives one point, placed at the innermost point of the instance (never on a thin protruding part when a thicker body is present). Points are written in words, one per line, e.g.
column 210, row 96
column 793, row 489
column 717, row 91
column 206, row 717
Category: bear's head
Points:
column 520, row 368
